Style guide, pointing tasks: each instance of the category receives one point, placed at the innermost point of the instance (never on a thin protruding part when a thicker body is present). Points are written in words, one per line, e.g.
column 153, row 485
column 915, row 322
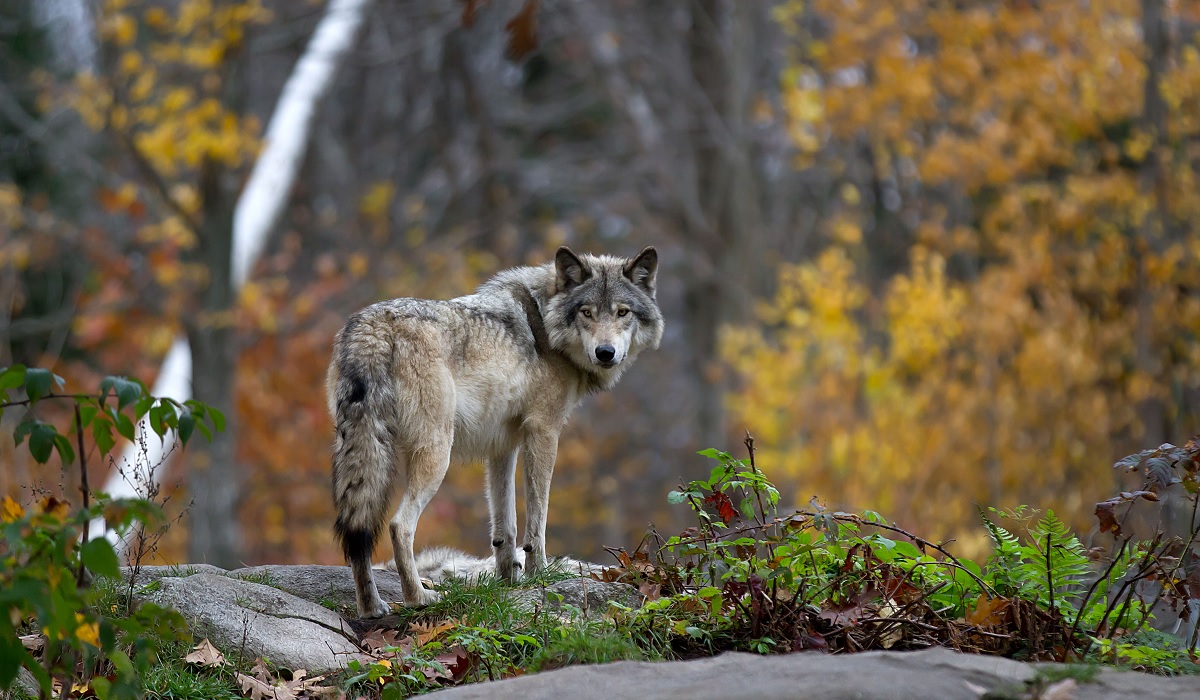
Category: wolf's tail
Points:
column 364, row 452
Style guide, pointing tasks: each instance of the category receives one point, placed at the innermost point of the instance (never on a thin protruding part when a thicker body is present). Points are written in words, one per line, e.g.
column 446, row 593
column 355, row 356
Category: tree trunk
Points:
column 1151, row 239
column 213, row 477
column 721, row 50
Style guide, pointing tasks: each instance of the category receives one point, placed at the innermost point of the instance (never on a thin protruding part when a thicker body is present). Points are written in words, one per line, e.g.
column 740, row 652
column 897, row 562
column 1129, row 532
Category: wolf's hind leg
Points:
column 502, row 504
column 427, row 467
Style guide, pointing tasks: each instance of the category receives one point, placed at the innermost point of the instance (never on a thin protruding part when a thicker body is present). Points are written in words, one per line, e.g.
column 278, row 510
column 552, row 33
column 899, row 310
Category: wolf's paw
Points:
column 508, row 570
column 376, row 609
column 424, row 597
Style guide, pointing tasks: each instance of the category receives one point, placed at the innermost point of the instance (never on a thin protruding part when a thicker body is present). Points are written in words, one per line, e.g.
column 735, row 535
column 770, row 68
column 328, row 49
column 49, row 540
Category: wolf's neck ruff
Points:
column 415, row 384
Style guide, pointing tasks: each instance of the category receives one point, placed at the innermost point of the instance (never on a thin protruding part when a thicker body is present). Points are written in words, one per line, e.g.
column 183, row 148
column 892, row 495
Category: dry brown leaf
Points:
column 205, row 654
column 988, row 611
column 33, row 643
column 429, row 632
column 261, row 672
column 256, row 689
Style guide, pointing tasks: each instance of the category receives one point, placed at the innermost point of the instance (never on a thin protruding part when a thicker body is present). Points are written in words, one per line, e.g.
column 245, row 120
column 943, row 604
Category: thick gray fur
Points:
column 415, row 384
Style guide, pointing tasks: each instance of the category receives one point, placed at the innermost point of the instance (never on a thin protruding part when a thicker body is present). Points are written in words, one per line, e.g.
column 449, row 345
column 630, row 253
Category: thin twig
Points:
column 83, row 486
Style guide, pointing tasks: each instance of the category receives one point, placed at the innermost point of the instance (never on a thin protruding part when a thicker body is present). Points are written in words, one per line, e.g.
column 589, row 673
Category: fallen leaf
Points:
column 988, row 612
column 33, row 642
column 430, row 631
column 205, row 654
column 457, row 663
column 261, row 688
column 894, row 634
column 256, row 689
column 806, row 641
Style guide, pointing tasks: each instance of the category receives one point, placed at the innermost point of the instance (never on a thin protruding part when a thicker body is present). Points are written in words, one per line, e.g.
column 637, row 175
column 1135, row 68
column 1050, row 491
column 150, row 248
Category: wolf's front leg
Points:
column 541, row 448
column 502, row 505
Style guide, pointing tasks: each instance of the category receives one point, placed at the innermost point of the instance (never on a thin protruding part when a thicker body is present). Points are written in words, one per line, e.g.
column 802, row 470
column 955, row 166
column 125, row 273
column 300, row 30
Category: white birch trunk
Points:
column 259, row 209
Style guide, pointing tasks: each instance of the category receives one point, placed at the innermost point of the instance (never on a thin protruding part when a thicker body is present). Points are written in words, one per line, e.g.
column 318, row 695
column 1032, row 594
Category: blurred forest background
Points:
column 931, row 253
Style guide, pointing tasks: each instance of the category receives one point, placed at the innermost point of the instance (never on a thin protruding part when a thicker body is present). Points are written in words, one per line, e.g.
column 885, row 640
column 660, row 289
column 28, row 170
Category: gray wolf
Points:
column 415, row 384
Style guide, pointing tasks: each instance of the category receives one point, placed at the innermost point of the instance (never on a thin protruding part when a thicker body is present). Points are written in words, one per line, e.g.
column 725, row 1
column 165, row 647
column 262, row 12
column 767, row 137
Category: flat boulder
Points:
column 144, row 575
column 915, row 675
column 247, row 619
column 329, row 586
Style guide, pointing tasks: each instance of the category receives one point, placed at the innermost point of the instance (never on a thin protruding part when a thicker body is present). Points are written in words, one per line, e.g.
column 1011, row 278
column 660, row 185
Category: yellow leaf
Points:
column 10, row 510
column 123, row 29
column 55, row 508
column 357, row 265
column 374, row 204
column 87, row 631
column 157, row 18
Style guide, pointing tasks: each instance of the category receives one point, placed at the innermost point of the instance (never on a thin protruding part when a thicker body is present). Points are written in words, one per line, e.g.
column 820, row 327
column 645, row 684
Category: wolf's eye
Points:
column 587, row 313
column 622, row 312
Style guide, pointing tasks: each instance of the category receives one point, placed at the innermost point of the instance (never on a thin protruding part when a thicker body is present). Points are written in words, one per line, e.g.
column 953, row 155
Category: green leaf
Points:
column 187, row 424
column 125, row 426
column 144, row 402
column 99, row 558
column 38, row 382
column 218, row 419
column 87, row 412
column 127, row 391
column 23, row 429
column 41, row 441
column 156, row 421
column 102, row 687
column 677, row 497
column 102, row 434
column 711, row 453
column 65, row 452
column 12, row 377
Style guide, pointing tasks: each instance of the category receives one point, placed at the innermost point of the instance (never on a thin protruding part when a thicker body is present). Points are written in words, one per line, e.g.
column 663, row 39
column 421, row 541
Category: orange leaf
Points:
column 988, row 611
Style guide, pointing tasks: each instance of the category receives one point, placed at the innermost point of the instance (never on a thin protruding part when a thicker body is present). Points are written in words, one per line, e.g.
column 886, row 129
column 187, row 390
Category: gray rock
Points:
column 25, row 686
column 320, row 584
column 933, row 673
column 588, row 595
column 149, row 574
column 248, row 619
column 334, row 585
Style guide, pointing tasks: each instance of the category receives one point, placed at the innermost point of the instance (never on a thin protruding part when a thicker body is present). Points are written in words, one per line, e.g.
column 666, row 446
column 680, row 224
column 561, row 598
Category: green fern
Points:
column 1053, row 563
column 1002, row 566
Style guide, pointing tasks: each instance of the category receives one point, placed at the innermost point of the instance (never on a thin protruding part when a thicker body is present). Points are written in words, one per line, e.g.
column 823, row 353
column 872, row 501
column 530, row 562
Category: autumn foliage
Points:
column 1032, row 218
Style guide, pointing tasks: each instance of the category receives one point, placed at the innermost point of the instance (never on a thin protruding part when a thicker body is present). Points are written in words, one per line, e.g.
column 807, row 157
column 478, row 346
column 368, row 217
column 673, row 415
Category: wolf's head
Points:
column 603, row 312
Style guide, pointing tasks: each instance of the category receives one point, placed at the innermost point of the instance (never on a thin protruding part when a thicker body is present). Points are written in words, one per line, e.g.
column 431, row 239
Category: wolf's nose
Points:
column 606, row 353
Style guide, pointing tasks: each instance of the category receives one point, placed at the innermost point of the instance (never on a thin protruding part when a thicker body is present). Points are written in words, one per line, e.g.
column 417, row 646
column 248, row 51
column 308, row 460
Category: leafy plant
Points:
column 749, row 577
column 47, row 560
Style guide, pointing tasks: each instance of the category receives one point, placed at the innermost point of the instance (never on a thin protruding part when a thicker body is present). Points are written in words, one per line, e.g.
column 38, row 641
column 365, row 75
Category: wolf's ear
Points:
column 570, row 270
column 643, row 270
